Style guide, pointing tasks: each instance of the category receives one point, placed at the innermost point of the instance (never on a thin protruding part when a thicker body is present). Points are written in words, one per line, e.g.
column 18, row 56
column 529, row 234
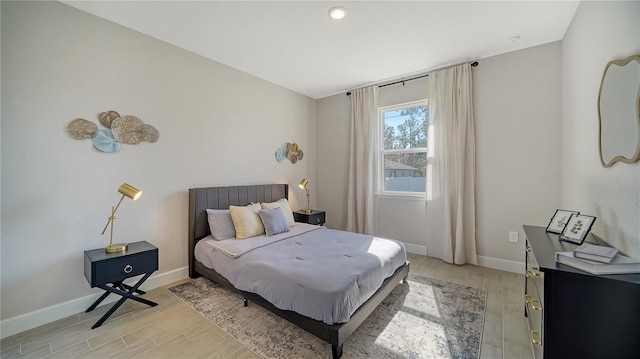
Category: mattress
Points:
column 321, row 273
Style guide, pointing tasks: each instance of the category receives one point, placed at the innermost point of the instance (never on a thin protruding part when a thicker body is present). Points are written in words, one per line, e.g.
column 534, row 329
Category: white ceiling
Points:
column 296, row 45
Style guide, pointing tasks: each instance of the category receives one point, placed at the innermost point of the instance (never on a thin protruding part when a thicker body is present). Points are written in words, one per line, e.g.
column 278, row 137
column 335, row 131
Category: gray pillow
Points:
column 221, row 224
column 274, row 221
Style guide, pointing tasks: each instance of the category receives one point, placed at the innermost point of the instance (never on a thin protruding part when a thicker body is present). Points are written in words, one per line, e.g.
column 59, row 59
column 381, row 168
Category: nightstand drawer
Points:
column 101, row 268
column 315, row 217
column 122, row 268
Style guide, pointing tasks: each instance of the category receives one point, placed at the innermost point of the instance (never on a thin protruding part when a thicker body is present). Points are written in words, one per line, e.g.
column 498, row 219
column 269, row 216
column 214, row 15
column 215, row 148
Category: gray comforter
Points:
column 320, row 273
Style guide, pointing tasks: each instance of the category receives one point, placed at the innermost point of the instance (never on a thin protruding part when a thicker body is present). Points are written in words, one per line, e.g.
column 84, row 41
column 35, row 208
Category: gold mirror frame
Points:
column 619, row 158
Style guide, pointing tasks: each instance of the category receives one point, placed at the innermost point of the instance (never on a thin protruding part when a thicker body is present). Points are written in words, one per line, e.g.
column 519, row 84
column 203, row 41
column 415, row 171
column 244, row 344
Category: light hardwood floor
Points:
column 173, row 330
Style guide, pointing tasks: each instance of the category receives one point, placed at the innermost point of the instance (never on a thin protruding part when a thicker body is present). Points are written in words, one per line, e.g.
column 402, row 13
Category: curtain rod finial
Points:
column 474, row 64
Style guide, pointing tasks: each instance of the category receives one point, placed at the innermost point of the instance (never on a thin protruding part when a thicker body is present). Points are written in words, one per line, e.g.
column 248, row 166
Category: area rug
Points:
column 424, row 318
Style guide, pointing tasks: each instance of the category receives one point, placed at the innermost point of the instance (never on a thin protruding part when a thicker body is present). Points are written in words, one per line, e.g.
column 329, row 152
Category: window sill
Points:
column 404, row 197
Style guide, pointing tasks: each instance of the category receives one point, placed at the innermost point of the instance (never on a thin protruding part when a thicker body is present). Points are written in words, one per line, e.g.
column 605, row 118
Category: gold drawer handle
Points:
column 534, row 340
column 529, row 273
column 128, row 268
column 529, row 299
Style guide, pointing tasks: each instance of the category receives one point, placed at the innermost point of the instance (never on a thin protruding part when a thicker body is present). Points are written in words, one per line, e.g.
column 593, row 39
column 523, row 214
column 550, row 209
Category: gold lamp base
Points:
column 118, row 247
column 307, row 210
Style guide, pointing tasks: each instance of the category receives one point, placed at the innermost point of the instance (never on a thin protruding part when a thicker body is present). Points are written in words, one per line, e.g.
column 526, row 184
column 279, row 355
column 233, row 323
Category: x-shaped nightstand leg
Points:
column 120, row 289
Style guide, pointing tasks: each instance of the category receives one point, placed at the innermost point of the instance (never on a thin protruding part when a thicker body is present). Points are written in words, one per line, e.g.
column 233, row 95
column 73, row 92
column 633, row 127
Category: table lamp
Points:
column 304, row 184
column 134, row 194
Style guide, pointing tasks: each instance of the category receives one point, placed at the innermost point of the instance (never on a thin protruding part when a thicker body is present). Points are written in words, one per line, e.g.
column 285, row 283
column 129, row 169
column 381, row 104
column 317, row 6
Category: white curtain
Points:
column 362, row 164
column 450, row 205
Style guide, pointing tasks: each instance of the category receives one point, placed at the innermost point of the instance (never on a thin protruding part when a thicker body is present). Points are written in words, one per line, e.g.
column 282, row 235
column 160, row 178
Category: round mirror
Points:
column 619, row 112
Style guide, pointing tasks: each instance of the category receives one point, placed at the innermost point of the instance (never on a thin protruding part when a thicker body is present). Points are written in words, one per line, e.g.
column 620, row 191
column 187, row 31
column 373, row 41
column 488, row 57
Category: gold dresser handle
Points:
column 529, row 299
column 529, row 273
column 534, row 340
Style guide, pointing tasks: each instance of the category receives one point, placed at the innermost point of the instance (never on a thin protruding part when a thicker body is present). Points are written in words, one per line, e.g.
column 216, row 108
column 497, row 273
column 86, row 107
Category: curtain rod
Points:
column 473, row 64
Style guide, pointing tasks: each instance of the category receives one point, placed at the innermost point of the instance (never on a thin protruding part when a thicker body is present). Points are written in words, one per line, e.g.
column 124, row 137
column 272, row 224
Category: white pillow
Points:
column 246, row 220
column 284, row 206
column 221, row 224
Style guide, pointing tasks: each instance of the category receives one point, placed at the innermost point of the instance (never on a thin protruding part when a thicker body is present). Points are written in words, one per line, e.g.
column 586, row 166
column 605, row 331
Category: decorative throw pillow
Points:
column 286, row 209
column 221, row 224
column 273, row 221
column 246, row 220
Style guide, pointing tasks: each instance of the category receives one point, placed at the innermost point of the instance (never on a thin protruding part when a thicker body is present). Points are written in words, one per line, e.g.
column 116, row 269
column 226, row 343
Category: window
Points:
column 403, row 159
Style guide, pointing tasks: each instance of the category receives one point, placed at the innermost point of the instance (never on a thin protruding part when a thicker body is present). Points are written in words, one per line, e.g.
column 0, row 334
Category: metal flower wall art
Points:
column 128, row 130
column 292, row 152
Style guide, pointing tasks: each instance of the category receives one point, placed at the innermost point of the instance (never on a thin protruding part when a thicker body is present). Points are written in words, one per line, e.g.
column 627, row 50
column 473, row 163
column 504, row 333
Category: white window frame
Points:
column 382, row 152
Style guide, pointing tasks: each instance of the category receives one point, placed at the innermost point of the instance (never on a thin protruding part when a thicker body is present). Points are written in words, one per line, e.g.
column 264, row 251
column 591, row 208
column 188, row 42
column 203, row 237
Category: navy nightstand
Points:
column 315, row 217
column 108, row 270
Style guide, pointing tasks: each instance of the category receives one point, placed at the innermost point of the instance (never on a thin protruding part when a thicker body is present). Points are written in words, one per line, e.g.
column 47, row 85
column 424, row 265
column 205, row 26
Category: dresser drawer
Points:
column 534, row 301
column 535, row 314
column 534, row 274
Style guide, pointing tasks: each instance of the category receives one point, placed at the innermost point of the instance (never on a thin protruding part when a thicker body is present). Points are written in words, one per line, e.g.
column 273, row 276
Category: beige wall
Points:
column 518, row 106
column 333, row 138
column 517, row 100
column 218, row 126
column 600, row 32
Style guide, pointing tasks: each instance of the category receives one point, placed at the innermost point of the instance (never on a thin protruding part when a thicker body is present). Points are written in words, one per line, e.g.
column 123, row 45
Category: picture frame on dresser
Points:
column 577, row 228
column 559, row 220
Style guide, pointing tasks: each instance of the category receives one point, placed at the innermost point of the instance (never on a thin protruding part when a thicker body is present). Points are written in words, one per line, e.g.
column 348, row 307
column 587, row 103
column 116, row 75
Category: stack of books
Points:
column 596, row 259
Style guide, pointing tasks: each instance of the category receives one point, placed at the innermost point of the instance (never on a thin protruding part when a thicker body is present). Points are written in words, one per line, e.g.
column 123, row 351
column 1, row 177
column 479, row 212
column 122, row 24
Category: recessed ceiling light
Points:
column 337, row 12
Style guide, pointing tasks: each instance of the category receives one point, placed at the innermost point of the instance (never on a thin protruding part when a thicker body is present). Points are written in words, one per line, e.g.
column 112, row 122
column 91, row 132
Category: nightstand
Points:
column 315, row 217
column 108, row 270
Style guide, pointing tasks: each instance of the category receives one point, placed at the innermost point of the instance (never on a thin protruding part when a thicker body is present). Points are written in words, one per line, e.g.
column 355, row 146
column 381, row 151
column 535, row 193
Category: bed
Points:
column 334, row 327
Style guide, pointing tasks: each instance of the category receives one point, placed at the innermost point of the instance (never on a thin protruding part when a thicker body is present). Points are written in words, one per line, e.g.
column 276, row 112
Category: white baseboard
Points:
column 501, row 264
column 416, row 249
column 50, row 314
column 488, row 262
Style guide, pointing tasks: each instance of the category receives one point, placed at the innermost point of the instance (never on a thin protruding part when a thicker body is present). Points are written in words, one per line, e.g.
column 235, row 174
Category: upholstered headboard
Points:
column 221, row 198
